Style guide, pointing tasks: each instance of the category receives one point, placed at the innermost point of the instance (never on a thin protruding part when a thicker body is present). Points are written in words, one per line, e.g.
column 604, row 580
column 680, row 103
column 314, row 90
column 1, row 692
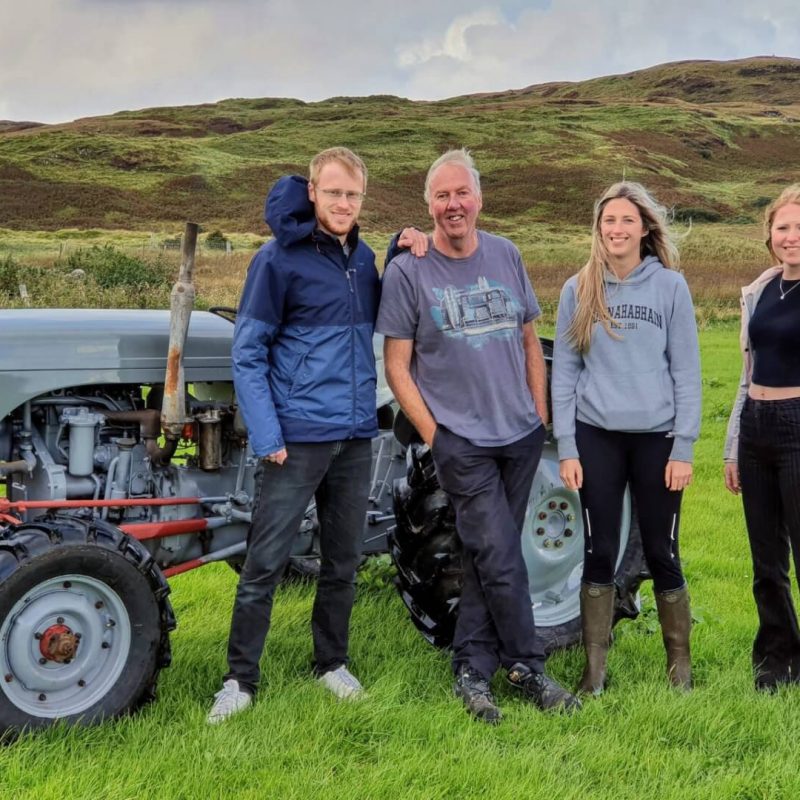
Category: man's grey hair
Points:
column 461, row 157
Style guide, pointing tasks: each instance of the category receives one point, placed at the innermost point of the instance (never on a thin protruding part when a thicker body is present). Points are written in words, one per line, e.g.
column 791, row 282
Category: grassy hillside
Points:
column 711, row 138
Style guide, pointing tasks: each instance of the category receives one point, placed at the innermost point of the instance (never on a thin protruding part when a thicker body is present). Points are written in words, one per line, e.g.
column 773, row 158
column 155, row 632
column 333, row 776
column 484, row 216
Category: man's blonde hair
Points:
column 341, row 155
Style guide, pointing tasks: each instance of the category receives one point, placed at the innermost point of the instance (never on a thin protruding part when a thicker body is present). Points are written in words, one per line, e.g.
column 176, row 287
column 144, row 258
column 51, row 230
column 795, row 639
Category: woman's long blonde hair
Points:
column 591, row 295
column 789, row 196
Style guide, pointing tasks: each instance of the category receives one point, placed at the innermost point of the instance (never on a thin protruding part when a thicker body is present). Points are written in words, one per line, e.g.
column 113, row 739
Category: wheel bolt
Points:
column 540, row 531
column 570, row 517
column 67, row 584
column 552, row 505
column 559, row 543
column 8, row 678
column 542, row 515
column 42, row 660
column 547, row 544
column 568, row 532
column 110, row 623
column 78, row 635
column 37, row 635
column 105, row 645
column 563, row 505
column 98, row 604
column 42, row 697
column 60, row 620
column 81, row 682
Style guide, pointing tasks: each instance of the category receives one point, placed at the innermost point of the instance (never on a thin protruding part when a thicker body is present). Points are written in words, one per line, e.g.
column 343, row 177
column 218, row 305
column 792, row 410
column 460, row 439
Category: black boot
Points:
column 542, row 690
column 473, row 689
column 597, row 612
column 676, row 624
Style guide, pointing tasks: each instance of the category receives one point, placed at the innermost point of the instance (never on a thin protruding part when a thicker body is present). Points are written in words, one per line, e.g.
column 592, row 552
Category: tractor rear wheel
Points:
column 427, row 553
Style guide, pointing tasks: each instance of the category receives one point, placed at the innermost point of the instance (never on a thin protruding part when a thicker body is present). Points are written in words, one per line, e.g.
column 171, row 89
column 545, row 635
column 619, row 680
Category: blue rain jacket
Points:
column 303, row 363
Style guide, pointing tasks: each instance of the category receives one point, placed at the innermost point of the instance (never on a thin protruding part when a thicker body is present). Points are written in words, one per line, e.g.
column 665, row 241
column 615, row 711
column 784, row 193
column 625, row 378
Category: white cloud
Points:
column 574, row 40
column 454, row 42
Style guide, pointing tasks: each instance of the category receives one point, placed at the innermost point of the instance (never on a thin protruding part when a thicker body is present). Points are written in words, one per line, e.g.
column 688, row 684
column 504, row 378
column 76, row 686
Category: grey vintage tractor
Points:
column 124, row 461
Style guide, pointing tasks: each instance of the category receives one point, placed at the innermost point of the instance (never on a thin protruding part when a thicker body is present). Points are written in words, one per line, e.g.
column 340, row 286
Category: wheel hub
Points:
column 58, row 643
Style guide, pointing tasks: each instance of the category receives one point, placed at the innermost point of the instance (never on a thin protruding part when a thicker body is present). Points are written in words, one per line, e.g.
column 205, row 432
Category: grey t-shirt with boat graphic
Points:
column 466, row 318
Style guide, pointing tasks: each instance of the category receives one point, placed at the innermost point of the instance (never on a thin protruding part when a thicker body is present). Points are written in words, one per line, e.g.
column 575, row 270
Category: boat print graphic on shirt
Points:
column 478, row 312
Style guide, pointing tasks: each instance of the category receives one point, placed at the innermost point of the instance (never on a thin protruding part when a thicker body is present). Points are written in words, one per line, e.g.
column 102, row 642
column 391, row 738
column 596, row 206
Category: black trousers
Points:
column 611, row 460
column 769, row 471
column 489, row 488
column 337, row 473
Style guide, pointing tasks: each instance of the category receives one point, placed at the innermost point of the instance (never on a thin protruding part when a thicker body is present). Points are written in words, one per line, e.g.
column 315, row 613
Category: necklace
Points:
column 790, row 289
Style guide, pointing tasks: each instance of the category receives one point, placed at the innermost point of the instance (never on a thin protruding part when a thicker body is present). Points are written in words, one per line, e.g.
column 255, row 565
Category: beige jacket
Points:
column 750, row 297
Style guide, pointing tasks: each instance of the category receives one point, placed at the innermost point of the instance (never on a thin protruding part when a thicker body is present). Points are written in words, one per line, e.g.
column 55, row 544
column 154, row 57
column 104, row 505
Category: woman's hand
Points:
column 571, row 473
column 678, row 475
column 732, row 483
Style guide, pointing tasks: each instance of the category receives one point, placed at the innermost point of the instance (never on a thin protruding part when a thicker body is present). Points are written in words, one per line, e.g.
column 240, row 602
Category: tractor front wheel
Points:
column 84, row 623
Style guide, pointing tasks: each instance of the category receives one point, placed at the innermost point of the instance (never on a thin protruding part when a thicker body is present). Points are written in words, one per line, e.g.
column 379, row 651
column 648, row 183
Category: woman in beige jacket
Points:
column 762, row 449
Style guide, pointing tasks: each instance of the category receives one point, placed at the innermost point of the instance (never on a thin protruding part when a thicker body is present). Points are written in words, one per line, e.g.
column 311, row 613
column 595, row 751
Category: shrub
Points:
column 690, row 214
column 10, row 276
column 216, row 240
column 110, row 268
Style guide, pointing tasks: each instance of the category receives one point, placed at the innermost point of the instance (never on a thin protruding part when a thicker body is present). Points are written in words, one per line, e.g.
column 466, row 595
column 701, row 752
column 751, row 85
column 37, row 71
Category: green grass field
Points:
column 411, row 738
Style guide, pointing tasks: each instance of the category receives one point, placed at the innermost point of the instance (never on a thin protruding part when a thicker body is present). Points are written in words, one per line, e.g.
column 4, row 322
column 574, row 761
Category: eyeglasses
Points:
column 338, row 194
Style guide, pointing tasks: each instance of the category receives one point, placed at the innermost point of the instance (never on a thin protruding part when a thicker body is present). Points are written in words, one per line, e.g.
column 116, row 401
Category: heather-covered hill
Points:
column 714, row 139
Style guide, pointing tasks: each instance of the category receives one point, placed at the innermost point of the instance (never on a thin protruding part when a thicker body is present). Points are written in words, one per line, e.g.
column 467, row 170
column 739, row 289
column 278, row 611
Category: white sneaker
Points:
column 342, row 683
column 229, row 700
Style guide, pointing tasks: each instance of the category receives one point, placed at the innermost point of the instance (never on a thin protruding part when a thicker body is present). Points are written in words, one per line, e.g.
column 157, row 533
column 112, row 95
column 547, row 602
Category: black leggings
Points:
column 610, row 461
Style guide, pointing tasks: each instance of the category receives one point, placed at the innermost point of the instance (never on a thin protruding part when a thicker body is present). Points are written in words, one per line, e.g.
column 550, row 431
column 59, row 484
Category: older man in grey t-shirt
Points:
column 463, row 360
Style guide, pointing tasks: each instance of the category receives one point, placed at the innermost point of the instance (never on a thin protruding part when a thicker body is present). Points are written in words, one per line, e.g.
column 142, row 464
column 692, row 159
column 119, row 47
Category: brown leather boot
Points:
column 597, row 612
column 676, row 624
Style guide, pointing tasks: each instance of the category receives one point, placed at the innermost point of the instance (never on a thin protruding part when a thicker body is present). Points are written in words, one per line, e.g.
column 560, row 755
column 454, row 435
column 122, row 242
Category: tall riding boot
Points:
column 676, row 625
column 597, row 612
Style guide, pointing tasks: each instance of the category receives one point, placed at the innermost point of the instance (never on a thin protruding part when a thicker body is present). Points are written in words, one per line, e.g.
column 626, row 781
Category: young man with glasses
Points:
column 304, row 374
column 464, row 362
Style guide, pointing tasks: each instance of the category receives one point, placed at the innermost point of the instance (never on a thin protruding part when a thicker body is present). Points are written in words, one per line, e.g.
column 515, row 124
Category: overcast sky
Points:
column 63, row 59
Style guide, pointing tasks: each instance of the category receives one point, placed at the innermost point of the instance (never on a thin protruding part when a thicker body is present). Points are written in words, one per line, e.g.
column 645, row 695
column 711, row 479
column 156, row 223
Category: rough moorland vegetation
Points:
column 712, row 138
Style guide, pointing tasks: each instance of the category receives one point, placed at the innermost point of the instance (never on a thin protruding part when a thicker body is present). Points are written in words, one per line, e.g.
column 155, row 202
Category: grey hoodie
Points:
column 646, row 381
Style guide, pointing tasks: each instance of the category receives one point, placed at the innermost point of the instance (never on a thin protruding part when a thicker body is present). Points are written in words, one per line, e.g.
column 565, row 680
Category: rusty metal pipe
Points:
column 149, row 422
column 173, row 409
column 9, row 467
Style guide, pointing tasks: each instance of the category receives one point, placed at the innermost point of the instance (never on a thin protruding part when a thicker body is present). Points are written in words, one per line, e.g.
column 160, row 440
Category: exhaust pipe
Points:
column 173, row 409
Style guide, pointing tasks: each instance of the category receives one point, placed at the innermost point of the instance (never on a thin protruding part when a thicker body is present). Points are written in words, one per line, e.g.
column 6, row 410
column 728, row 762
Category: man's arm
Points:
column 397, row 365
column 536, row 370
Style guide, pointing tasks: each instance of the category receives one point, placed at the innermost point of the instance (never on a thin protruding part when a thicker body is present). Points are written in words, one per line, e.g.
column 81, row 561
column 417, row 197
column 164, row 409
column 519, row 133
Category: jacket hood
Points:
column 288, row 211
column 648, row 267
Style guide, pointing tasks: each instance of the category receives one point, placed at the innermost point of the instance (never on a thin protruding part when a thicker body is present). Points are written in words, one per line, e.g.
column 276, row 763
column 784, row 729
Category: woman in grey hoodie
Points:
column 626, row 411
column 762, row 449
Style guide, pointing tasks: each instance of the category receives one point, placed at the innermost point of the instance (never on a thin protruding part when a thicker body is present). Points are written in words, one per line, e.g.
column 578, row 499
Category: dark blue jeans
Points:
column 769, row 470
column 338, row 473
column 489, row 488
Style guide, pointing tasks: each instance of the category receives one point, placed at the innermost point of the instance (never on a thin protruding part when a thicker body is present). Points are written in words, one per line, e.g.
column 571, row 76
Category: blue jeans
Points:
column 338, row 473
column 489, row 488
column 769, row 470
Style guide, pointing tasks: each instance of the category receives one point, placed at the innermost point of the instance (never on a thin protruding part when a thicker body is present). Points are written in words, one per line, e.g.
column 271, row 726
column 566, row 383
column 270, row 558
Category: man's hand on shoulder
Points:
column 278, row 457
column 414, row 240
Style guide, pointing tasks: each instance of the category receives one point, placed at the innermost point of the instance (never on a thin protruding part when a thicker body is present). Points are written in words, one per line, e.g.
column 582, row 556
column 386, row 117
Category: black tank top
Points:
column 775, row 335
